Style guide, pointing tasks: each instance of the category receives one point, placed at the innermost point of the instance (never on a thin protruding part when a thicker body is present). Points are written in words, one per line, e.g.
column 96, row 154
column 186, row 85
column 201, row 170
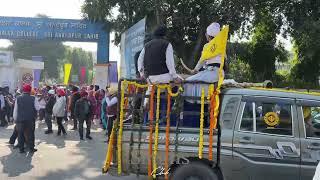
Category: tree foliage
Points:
column 259, row 20
column 263, row 50
column 78, row 58
column 186, row 19
column 51, row 51
column 304, row 20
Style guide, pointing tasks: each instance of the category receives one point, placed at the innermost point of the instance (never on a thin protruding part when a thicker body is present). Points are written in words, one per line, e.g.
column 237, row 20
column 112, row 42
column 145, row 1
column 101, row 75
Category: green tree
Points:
column 186, row 19
column 78, row 58
column 51, row 51
column 303, row 17
column 263, row 50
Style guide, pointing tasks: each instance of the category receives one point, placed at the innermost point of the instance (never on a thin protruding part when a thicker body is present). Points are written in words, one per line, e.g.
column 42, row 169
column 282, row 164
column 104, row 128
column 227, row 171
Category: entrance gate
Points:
column 58, row 30
column 22, row 28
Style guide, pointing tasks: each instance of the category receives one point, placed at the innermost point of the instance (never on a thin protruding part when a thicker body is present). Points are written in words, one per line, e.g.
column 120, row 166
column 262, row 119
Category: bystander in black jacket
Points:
column 81, row 111
column 74, row 98
column 50, row 104
column 83, row 114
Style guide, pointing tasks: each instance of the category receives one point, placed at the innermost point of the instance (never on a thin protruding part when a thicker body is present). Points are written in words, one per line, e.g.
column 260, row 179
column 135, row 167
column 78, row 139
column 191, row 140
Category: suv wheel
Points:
column 194, row 171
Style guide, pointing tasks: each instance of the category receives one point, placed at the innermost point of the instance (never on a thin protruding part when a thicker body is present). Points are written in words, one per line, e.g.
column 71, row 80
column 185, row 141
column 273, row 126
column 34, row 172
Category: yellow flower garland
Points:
column 174, row 94
column 211, row 96
column 151, row 113
column 166, row 165
column 121, row 118
column 137, row 84
column 156, row 138
column 123, row 83
column 109, row 151
column 201, row 124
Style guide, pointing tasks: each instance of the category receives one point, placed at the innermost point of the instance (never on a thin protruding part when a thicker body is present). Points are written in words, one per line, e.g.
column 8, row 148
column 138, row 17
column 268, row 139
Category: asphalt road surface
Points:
column 58, row 157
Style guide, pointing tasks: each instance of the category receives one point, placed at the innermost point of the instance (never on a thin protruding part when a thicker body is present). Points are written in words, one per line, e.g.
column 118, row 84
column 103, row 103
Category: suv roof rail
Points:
column 230, row 83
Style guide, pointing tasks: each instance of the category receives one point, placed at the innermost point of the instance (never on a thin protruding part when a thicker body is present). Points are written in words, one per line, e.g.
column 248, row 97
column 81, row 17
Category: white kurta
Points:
column 209, row 75
column 317, row 173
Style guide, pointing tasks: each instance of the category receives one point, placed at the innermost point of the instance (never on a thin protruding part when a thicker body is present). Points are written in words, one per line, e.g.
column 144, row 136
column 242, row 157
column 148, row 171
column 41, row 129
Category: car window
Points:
column 247, row 118
column 311, row 117
column 229, row 112
column 270, row 118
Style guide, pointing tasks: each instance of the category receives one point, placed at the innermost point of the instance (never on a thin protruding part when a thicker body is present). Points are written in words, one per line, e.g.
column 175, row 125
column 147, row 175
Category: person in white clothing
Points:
column 59, row 109
column 205, row 71
column 317, row 173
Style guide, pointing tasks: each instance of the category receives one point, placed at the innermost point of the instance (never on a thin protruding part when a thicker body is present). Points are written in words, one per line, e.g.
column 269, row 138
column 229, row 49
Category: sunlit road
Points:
column 57, row 157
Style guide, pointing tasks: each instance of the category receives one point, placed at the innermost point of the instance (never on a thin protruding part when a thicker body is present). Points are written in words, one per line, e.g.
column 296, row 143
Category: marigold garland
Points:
column 123, row 102
column 216, row 109
column 167, row 136
column 110, row 150
column 156, row 138
column 151, row 114
column 138, row 85
column 211, row 128
column 174, row 94
column 216, row 103
column 123, row 83
column 210, row 91
column 201, row 124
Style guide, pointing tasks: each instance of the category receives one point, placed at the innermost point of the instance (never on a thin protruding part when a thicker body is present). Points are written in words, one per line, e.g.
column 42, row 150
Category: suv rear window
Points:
column 270, row 118
column 311, row 115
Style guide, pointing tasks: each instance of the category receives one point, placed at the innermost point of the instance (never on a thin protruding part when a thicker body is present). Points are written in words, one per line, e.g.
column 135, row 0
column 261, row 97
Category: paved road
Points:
column 57, row 157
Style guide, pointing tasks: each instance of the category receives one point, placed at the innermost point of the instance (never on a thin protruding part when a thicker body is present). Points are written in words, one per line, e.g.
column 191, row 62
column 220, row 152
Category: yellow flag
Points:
column 217, row 46
column 67, row 70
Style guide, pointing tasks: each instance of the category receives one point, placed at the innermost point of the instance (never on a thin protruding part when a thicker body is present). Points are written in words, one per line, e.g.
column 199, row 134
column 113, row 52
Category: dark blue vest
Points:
column 155, row 57
column 26, row 110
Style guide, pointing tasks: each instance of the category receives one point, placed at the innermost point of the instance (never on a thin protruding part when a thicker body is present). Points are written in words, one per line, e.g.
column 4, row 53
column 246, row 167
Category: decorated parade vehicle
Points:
column 258, row 132
column 230, row 131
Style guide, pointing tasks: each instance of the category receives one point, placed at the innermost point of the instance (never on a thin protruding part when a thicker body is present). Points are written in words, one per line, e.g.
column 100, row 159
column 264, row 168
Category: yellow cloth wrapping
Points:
column 217, row 46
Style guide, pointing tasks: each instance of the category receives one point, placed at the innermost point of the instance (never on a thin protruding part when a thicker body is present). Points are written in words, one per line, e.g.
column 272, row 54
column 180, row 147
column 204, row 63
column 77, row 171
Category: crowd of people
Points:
column 155, row 64
column 88, row 104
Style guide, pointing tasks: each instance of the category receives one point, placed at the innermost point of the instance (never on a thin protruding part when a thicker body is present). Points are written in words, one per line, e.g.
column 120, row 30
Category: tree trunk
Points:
column 193, row 59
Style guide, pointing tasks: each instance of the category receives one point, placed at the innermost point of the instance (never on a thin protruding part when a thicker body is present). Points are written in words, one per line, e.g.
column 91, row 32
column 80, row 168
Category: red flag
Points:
column 83, row 74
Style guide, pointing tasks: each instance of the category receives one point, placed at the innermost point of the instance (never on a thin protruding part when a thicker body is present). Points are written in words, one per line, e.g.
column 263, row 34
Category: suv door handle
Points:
column 315, row 146
column 246, row 140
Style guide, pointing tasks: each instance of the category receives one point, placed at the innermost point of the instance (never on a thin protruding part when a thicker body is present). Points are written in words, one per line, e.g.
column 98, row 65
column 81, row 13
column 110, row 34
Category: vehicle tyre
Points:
column 194, row 171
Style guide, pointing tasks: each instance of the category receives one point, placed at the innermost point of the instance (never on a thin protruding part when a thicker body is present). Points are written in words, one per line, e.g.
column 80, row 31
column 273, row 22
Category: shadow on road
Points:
column 84, row 159
column 14, row 169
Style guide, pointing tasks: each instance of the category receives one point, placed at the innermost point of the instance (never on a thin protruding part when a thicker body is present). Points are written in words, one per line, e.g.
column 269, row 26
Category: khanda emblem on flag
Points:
column 213, row 48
